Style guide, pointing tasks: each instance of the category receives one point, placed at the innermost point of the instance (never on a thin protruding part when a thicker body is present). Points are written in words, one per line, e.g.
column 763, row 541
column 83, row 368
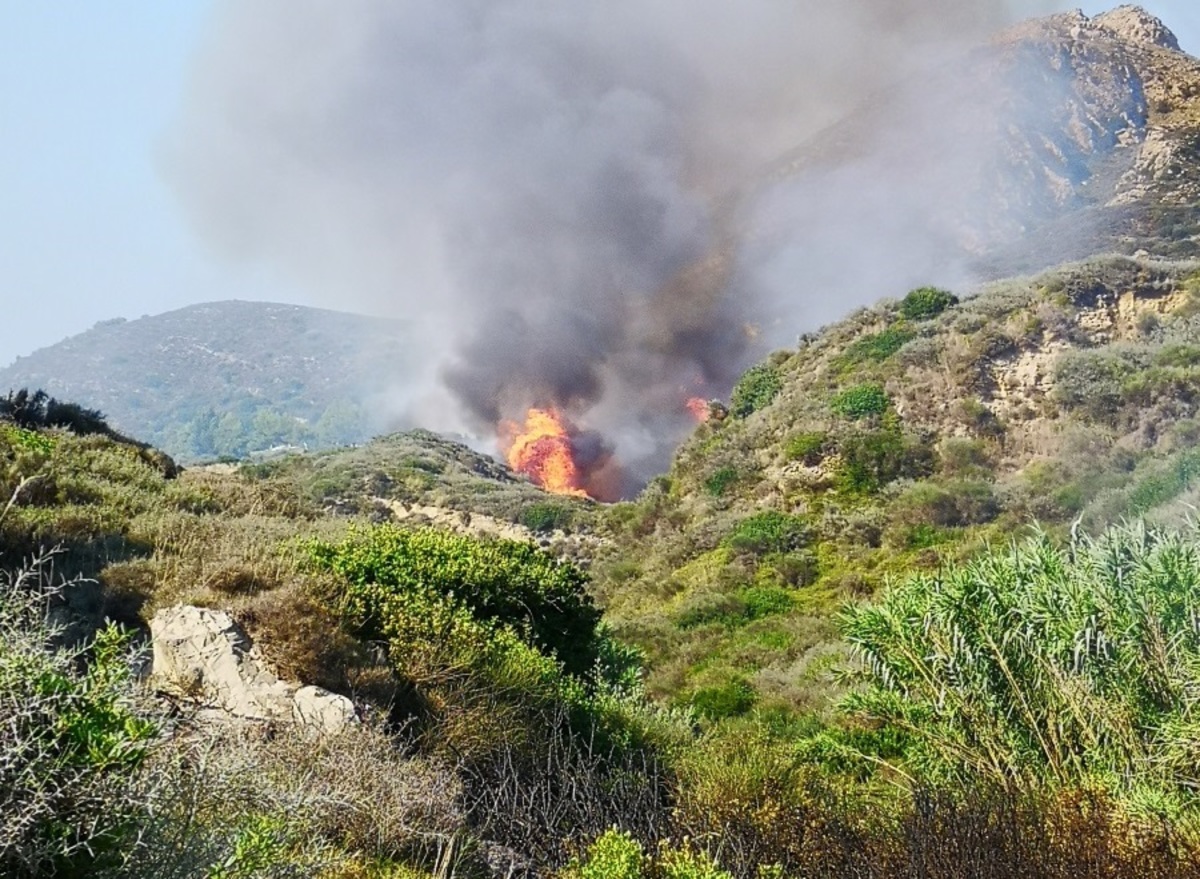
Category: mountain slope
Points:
column 906, row 436
column 1062, row 137
column 228, row 378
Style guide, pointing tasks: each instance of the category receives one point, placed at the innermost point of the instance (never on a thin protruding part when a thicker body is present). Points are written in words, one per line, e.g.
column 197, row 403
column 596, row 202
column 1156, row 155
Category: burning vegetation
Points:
column 542, row 449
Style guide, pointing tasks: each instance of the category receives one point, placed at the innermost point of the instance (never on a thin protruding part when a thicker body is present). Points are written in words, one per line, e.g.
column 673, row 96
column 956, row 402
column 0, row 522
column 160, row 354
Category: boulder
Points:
column 203, row 656
column 325, row 713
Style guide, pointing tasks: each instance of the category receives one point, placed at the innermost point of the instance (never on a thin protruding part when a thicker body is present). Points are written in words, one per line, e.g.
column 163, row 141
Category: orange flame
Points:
column 699, row 408
column 542, row 450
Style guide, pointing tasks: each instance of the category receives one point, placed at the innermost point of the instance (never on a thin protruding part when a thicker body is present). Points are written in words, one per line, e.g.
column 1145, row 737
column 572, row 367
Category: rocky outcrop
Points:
column 203, row 656
column 1136, row 25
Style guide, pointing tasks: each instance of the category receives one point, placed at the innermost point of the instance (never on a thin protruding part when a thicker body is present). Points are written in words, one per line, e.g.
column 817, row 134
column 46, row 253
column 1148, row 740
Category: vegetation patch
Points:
column 861, row 401
column 926, row 302
column 755, row 390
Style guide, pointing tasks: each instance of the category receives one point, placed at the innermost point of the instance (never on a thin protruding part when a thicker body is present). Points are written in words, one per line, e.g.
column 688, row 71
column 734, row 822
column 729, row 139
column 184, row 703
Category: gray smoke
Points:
column 545, row 186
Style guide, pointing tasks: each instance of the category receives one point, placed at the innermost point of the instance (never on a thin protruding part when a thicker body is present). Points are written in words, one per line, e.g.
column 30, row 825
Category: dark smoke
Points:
column 546, row 186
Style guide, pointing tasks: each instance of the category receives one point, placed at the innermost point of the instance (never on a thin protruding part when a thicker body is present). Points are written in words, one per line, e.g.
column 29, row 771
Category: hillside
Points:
column 907, row 436
column 918, row 600
column 1061, row 138
column 229, row 378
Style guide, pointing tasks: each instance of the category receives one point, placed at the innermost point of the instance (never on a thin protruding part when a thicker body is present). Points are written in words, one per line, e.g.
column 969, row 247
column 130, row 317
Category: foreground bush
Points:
column 1046, row 664
column 69, row 741
column 501, row 582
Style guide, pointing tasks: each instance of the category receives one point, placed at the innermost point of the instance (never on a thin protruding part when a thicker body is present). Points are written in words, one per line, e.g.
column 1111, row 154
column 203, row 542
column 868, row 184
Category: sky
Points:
column 90, row 229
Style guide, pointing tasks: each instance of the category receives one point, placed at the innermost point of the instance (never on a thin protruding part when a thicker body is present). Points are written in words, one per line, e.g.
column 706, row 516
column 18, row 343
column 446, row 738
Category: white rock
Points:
column 325, row 713
column 204, row 656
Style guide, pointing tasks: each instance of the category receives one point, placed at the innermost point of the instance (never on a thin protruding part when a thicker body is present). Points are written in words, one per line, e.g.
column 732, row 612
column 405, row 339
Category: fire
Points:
column 699, row 408
column 543, row 451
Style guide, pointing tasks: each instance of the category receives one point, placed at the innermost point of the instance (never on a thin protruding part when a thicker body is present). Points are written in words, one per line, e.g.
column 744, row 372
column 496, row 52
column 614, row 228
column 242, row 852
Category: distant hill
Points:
column 228, row 378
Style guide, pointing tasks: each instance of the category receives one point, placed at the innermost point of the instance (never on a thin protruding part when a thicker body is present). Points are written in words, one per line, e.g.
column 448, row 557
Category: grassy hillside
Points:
column 910, row 435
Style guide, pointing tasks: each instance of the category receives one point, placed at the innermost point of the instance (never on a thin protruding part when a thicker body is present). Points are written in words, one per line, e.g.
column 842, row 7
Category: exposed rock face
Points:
column 203, row 656
column 1063, row 137
column 1136, row 25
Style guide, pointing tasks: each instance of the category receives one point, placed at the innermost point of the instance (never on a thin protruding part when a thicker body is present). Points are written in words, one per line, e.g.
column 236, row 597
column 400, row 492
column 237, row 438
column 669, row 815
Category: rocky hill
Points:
column 1062, row 137
column 228, row 378
column 907, row 436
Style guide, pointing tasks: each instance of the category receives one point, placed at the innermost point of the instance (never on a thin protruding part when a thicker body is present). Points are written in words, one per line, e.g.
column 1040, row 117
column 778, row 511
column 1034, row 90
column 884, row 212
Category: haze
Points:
column 90, row 228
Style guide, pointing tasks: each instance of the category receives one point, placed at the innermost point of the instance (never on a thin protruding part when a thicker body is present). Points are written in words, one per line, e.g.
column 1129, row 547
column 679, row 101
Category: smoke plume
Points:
column 545, row 188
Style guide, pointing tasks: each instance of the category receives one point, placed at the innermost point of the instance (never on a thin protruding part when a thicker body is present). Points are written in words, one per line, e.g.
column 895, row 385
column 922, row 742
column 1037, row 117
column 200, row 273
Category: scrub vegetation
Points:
column 923, row 607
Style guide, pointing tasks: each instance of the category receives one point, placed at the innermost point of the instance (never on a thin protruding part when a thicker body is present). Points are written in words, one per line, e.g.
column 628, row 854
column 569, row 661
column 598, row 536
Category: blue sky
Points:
column 88, row 228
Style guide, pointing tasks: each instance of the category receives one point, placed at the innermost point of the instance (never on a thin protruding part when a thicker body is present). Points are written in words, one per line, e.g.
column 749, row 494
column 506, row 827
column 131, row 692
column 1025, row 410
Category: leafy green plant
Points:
column 504, row 582
column 69, row 740
column 1075, row 664
column 872, row 459
column 546, row 517
column 808, row 448
column 730, row 699
column 876, row 347
column 755, row 390
column 861, row 401
column 926, row 302
column 721, row 480
column 767, row 532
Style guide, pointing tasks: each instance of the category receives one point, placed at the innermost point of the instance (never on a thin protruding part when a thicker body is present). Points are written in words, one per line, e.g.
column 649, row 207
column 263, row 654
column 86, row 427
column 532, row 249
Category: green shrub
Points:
column 614, row 855
column 808, row 448
column 547, row 517
column 721, row 480
column 498, row 581
column 1166, row 483
column 768, row 532
column 861, row 401
column 755, row 390
column 617, row 855
column 926, row 302
column 766, row 601
column 876, row 347
column 731, row 699
column 953, row 505
column 871, row 460
column 1092, row 382
column 69, row 740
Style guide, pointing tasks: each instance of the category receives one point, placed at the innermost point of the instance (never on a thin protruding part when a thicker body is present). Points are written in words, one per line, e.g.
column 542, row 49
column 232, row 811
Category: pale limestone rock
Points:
column 1135, row 24
column 203, row 656
column 325, row 713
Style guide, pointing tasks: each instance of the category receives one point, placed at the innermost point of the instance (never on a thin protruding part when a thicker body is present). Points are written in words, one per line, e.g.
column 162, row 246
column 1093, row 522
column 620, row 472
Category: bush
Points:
column 926, row 302
column 872, row 459
column 1093, row 382
column 617, row 855
column 547, row 517
column 876, row 347
column 861, row 401
column 755, row 390
column 731, row 699
column 496, row 581
column 768, row 532
column 69, row 741
column 721, row 480
column 808, row 448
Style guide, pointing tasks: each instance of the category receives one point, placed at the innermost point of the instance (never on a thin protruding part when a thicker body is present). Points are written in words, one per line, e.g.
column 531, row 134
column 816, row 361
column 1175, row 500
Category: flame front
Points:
column 542, row 450
column 699, row 408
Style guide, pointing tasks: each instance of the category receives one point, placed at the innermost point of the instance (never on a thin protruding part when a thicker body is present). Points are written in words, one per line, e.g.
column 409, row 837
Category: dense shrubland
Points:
column 832, row 644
